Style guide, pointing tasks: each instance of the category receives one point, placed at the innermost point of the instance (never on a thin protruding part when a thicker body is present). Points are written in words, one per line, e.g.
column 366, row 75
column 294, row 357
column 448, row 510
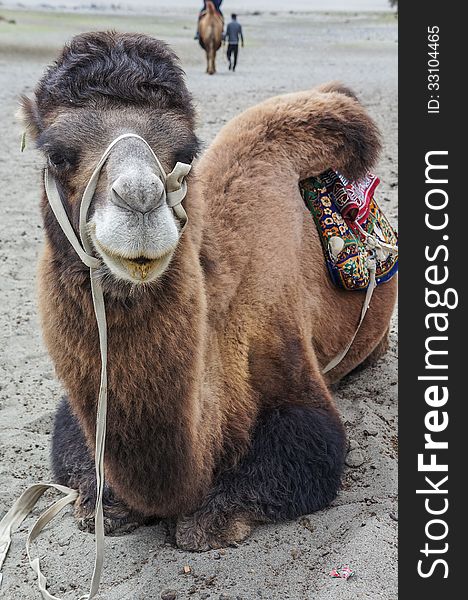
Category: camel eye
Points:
column 57, row 160
column 187, row 153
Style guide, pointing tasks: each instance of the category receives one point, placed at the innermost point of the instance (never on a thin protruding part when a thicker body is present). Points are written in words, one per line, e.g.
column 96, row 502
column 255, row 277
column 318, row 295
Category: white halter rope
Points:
column 175, row 188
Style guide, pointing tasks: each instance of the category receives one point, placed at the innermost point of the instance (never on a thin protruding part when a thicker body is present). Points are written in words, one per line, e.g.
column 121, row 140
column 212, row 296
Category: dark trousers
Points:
column 232, row 49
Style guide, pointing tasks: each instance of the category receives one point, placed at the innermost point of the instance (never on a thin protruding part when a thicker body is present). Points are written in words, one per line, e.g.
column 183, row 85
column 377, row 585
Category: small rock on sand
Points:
column 355, row 458
column 295, row 553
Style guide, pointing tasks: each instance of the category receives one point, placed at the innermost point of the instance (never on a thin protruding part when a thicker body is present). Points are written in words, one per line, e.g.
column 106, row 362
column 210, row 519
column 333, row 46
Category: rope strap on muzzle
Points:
column 175, row 188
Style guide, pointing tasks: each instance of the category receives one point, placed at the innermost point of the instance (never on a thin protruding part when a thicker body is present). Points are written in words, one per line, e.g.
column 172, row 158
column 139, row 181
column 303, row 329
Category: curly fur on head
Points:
column 102, row 69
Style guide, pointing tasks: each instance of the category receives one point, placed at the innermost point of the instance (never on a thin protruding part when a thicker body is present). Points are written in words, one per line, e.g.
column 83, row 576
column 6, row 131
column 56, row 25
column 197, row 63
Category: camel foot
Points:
column 111, row 526
column 118, row 518
column 197, row 534
column 73, row 465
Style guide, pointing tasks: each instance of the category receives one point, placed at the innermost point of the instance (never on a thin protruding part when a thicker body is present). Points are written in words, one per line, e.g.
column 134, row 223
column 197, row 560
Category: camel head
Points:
column 104, row 85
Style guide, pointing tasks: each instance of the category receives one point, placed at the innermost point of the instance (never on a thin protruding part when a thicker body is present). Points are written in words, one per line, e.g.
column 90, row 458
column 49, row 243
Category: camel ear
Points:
column 28, row 115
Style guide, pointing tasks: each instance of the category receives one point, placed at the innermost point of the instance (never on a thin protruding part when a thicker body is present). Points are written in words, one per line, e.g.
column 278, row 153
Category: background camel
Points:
column 219, row 414
column 210, row 28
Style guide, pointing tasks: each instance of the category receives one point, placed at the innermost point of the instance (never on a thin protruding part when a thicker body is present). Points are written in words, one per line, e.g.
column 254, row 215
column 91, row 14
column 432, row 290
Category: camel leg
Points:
column 293, row 468
column 213, row 61
column 73, row 466
column 210, row 54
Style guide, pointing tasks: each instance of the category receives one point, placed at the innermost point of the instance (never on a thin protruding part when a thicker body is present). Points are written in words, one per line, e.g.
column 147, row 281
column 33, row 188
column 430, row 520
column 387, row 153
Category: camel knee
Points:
column 293, row 467
column 295, row 463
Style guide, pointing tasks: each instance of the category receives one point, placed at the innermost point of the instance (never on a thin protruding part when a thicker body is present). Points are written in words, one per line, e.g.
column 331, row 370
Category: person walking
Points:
column 232, row 36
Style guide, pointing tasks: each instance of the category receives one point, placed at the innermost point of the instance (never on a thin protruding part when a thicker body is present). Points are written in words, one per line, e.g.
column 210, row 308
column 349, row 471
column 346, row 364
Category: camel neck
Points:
column 156, row 458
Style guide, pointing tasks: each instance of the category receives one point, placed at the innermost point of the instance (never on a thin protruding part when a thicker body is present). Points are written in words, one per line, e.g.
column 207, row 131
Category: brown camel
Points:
column 210, row 29
column 219, row 415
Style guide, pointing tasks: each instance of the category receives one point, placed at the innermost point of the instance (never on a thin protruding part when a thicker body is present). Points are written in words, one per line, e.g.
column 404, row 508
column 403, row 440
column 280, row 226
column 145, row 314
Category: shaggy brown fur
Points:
column 218, row 411
column 210, row 29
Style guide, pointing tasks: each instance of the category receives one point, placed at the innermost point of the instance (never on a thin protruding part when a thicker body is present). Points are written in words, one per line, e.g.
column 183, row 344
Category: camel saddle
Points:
column 352, row 228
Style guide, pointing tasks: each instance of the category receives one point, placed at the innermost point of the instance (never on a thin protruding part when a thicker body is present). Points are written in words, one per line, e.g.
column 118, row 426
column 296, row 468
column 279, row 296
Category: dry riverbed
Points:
column 284, row 52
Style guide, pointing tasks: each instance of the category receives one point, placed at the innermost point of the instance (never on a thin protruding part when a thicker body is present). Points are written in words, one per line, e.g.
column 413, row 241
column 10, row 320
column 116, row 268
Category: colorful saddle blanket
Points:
column 356, row 236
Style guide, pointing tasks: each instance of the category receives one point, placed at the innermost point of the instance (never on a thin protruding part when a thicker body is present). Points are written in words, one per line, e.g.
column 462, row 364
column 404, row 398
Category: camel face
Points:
column 130, row 223
column 105, row 85
column 133, row 228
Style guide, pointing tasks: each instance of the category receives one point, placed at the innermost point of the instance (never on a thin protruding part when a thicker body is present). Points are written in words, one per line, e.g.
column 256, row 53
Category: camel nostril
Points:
column 120, row 194
column 116, row 197
column 137, row 192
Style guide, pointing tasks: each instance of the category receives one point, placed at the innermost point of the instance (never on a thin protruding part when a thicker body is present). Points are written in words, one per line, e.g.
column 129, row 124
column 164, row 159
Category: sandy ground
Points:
column 288, row 561
column 165, row 6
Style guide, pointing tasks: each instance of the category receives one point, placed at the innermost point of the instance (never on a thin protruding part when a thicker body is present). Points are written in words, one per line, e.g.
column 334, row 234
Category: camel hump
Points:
column 210, row 7
column 338, row 87
column 312, row 131
column 211, row 10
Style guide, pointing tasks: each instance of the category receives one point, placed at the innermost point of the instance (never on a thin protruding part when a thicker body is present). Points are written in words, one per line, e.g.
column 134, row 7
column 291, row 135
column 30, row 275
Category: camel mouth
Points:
column 142, row 268
column 139, row 269
column 141, row 260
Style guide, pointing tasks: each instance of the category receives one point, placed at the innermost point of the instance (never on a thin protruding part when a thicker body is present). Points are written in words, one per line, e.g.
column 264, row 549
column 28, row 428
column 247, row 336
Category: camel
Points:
column 210, row 29
column 219, row 415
